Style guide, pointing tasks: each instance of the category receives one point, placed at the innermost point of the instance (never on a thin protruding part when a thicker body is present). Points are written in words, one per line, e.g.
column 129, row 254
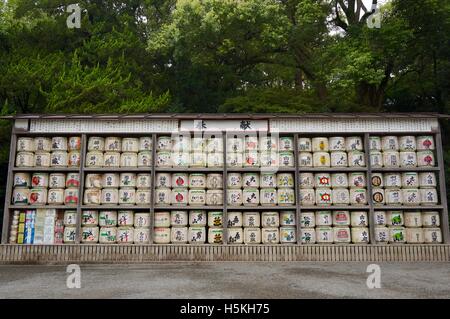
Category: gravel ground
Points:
column 228, row 280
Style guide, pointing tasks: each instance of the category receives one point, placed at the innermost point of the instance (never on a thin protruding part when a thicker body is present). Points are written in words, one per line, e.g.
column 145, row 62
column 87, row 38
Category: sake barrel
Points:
column 198, row 159
column 321, row 159
column 268, row 180
column 288, row 235
column 197, row 218
column 25, row 144
column 165, row 180
column 215, row 219
column 323, row 218
column 389, row 143
column 251, row 159
column 305, row 159
column 130, row 144
column 69, row 234
column 428, row 196
column 42, row 159
column 89, row 234
column 392, row 180
column 307, row 219
column 270, row 219
column 215, row 235
column 356, row 159
column 322, row 180
column 94, row 159
column 307, row 197
column 393, row 196
column 22, row 180
column 414, row 235
column 94, row 181
column 407, row 143
column 391, row 159
column 39, row 180
column 360, row 235
column 375, row 143
column 304, row 144
column 163, row 159
column 235, row 144
column 287, row 218
column 37, row 196
column 410, row 180
column 381, row 234
column 427, row 179
column 341, row 218
column 141, row 235
column 413, row 219
column 125, row 235
column 197, row 197
column 96, row 143
column 127, row 180
column 250, row 197
column 145, row 143
column 214, row 181
column 42, row 144
column 57, row 180
column 111, row 159
column 143, row 197
column 268, row 143
column 286, row 159
column 251, row 143
column 320, row 144
column 252, row 235
column 284, row 180
column 376, row 159
column 286, row 143
column 59, row 143
column 179, row 218
column 164, row 143
column 268, row 196
column 397, row 235
column 107, row 218
column 234, row 219
column 179, row 196
column 377, row 180
column 408, row 159
column 380, row 218
column 339, row 180
column 341, row 235
column 270, row 159
column 144, row 159
column 308, row 235
column 20, row 196
column 306, row 180
column 251, row 219
column 411, row 196
column 129, row 160
column 180, row 159
column 234, row 180
column 432, row 235
column 394, row 218
column 197, row 235
column 110, row 196
column 425, row 158
column 359, row 219
column 197, row 180
column 89, row 218
column 25, row 159
column 324, row 235
column 161, row 235
column 113, row 144
column 214, row 197
column 337, row 143
column 70, row 218
column 180, row 180
column 354, row 143
column 323, row 196
column 71, row 196
column 235, row 160
column 127, row 196
column 125, row 217
column 425, row 143
column 55, row 196
column 430, row 219
column 179, row 235
column 108, row 235
column 250, row 180
column 340, row 196
column 270, row 235
column 214, row 144
column 235, row 235
column 378, row 196
column 107, row 180
column 357, row 180
column 234, row 197
column 338, row 159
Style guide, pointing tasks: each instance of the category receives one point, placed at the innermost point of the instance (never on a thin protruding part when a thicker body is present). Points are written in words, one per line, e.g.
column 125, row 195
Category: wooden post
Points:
column 297, row 190
column 9, row 185
column 81, row 187
column 370, row 216
column 442, row 188
column 224, row 195
column 152, row 189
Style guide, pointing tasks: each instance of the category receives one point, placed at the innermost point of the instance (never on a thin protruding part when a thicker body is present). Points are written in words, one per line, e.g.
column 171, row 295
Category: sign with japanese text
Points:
column 224, row 126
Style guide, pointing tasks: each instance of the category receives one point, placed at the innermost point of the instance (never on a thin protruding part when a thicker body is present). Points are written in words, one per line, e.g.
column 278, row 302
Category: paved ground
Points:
column 228, row 280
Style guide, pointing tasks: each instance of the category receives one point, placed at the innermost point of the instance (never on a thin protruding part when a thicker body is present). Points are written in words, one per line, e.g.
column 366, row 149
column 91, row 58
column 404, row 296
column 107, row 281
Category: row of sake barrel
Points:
column 109, row 235
column 337, row 196
column 185, row 180
column 333, row 180
column 116, row 159
column 141, row 180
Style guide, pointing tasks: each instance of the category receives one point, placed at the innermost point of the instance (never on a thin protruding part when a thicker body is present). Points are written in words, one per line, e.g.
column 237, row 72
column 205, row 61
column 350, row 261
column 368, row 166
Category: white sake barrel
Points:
column 214, row 145
column 215, row 235
column 198, row 144
column 428, row 196
column 55, row 196
column 234, row 180
column 251, row 143
column 380, row 218
column 70, row 218
column 425, row 143
column 425, row 158
column 127, row 180
column 164, row 143
column 125, row 218
column 307, row 219
column 393, row 196
column 125, row 235
column 250, row 197
column 25, row 159
column 305, row 159
column 71, row 196
column 377, row 180
column 214, row 197
column 270, row 219
column 110, row 196
column 251, row 219
column 268, row 143
column 354, row 143
column 215, row 219
column 235, row 160
column 251, row 159
column 96, row 143
column 22, row 180
column 94, row 181
column 339, row 180
column 431, row 219
column 163, row 159
column 235, row 144
column 407, row 143
column 179, row 196
column 287, row 218
column 235, row 235
column 338, row 159
column 214, row 181
column 111, row 159
column 397, row 235
column 304, row 144
column 74, row 143
column 179, row 218
column 143, row 197
column 130, row 144
column 270, row 235
column 381, row 234
column 234, row 219
column 288, row 235
column 323, row 218
column 360, row 235
column 359, row 219
column 286, row 159
column 268, row 196
column 408, row 159
column 42, row 144
column 145, row 143
column 94, row 159
column 39, row 180
column 340, row 196
column 180, row 180
column 89, row 218
column 179, row 235
column 144, row 159
column 427, row 179
column 286, row 143
column 107, row 180
column 197, row 180
column 394, row 218
column 413, row 219
column 69, row 234
column 322, row 180
column 25, row 144
column 127, row 196
column 324, row 235
column 161, row 235
column 234, row 197
column 286, row 196
column 252, row 235
column 42, row 159
column 336, row 143
column 389, row 143
column 308, row 235
column 357, row 180
column 197, row 235
column 376, row 159
column 378, row 197
column 323, row 196
column 432, row 235
column 284, row 180
column 92, row 195
column 59, row 143
column 410, row 180
column 180, row 159
column 306, row 180
column 320, row 144
column 391, row 159
column 321, row 159
column 392, row 180
column 356, row 159
column 197, row 197
column 307, row 197
column 341, row 218
column 128, row 159
column 411, row 196
column 375, row 143
column 414, row 235
column 74, row 158
column 89, row 234
column 113, row 144
column 197, row 218
column 37, row 196
column 20, row 196
column 141, row 235
column 270, row 158
column 107, row 218
column 250, row 180
column 165, row 180
column 108, row 235
column 341, row 235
